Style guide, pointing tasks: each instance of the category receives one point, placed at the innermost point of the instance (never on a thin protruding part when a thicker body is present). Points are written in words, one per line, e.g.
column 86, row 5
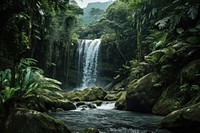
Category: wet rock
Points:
column 30, row 121
column 184, row 120
column 79, row 104
column 120, row 103
column 98, row 102
column 89, row 130
column 143, row 94
column 91, row 106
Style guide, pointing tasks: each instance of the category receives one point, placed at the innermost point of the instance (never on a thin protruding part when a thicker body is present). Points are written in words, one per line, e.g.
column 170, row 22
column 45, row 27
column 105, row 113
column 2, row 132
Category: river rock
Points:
column 79, row 103
column 89, row 130
column 98, row 102
column 75, row 95
column 93, row 94
column 30, row 121
column 143, row 94
column 92, row 106
column 184, row 120
column 120, row 103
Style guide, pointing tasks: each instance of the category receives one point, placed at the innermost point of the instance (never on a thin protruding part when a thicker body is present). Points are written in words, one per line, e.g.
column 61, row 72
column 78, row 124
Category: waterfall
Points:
column 87, row 61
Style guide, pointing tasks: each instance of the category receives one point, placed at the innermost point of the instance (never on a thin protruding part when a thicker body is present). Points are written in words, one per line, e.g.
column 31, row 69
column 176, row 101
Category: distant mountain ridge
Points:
column 87, row 18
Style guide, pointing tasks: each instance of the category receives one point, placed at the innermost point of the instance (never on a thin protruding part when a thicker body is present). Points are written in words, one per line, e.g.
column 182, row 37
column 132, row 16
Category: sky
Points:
column 83, row 3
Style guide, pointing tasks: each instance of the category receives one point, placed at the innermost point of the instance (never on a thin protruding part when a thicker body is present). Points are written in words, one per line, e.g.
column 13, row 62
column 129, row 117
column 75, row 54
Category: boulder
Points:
column 89, row 130
column 30, row 121
column 93, row 94
column 75, row 95
column 120, row 103
column 143, row 94
column 98, row 102
column 184, row 120
column 92, row 106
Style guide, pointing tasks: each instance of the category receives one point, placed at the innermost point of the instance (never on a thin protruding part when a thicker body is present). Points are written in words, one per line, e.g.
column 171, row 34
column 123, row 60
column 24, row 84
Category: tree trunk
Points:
column 31, row 12
column 139, row 36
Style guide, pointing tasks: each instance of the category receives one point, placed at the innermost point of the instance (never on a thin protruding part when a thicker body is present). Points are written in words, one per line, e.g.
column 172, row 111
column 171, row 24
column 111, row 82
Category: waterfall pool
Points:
column 109, row 120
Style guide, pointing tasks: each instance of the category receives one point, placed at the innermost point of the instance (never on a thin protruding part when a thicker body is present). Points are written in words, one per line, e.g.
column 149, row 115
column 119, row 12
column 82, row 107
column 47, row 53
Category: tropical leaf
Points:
column 192, row 13
column 162, row 23
column 192, row 40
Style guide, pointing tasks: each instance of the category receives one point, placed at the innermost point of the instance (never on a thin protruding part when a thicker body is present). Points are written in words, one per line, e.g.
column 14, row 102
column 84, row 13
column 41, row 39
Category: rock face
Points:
column 143, row 94
column 167, row 103
column 183, row 120
column 30, row 121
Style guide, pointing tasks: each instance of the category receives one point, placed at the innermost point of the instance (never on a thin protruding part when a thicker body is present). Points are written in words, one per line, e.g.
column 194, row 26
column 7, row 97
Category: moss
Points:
column 184, row 120
column 89, row 94
column 113, row 96
column 94, row 93
column 31, row 121
column 120, row 103
column 144, row 93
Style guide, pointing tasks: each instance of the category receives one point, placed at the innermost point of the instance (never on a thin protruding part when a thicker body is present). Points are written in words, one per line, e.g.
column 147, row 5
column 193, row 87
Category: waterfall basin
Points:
column 108, row 120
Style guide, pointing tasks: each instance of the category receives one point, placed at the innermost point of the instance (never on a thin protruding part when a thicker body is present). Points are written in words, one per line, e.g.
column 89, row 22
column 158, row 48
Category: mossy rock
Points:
column 93, row 94
column 184, row 120
column 88, row 94
column 89, row 130
column 75, row 95
column 143, row 94
column 120, row 103
column 190, row 71
column 165, row 106
column 59, row 103
column 30, row 121
column 113, row 96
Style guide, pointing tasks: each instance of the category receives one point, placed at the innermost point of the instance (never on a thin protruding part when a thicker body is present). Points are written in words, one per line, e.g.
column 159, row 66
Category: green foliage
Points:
column 28, row 79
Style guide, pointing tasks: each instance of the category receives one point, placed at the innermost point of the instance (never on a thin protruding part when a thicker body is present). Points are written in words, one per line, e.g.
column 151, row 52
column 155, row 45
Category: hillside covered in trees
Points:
column 149, row 62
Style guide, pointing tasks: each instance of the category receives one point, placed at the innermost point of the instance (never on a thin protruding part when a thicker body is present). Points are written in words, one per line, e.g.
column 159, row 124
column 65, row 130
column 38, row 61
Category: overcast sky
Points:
column 83, row 3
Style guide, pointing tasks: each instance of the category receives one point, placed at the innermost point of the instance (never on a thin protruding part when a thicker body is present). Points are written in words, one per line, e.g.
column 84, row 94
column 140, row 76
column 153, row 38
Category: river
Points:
column 109, row 120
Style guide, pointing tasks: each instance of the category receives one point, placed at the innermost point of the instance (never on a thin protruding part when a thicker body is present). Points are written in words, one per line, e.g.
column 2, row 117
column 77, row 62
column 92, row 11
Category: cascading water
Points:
column 88, row 51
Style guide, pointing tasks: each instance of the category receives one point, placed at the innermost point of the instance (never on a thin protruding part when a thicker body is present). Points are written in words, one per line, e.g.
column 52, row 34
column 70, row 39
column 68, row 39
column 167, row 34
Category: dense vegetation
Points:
column 37, row 29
